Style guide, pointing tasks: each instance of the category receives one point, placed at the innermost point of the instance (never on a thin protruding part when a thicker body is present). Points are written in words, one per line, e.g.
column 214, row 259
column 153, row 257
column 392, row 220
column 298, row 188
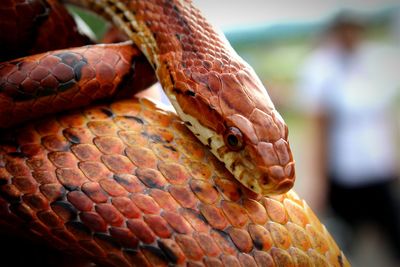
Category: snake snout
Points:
column 276, row 166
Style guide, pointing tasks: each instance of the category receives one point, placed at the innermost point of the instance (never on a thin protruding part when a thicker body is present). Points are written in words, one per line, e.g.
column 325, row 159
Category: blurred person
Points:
column 349, row 87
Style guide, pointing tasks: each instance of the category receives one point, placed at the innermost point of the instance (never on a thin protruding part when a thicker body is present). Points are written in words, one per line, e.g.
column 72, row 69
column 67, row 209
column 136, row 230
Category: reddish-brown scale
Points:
column 131, row 207
column 47, row 83
column 30, row 27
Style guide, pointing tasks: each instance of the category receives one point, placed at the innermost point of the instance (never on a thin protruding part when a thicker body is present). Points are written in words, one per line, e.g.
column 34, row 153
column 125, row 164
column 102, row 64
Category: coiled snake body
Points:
column 124, row 183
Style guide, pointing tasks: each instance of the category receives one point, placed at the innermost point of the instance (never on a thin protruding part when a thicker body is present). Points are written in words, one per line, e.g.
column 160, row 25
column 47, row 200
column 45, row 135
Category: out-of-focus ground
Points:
column 276, row 38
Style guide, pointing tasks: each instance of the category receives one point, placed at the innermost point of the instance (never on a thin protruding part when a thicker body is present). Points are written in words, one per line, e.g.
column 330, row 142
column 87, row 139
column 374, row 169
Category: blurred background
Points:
column 332, row 68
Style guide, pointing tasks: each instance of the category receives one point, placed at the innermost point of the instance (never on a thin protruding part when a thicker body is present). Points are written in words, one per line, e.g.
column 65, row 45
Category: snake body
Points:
column 124, row 183
column 219, row 96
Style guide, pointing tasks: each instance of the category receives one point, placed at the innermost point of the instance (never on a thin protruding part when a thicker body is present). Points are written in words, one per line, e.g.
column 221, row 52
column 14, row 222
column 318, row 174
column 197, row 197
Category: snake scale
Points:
column 124, row 183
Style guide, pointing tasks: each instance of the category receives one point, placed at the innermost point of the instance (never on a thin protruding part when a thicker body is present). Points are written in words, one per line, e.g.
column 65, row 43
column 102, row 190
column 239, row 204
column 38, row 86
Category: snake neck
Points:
column 209, row 85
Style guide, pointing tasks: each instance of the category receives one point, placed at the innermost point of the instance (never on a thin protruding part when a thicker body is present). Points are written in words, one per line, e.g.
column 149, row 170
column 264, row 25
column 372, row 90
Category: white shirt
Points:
column 358, row 92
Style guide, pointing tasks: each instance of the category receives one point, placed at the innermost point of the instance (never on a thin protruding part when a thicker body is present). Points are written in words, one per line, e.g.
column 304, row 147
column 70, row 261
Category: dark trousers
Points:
column 371, row 203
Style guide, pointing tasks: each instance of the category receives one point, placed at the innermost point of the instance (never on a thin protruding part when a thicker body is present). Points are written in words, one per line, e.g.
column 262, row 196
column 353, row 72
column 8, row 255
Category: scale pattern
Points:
column 127, row 184
column 29, row 27
column 59, row 80
column 206, row 80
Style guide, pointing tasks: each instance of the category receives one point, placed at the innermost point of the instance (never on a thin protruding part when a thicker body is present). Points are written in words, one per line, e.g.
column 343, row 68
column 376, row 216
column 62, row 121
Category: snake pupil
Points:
column 232, row 140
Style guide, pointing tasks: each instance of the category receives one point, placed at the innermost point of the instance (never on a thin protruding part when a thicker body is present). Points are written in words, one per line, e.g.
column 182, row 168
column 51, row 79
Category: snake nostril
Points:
column 265, row 179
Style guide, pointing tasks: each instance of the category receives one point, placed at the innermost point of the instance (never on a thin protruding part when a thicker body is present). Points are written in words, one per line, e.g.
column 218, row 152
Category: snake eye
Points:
column 233, row 139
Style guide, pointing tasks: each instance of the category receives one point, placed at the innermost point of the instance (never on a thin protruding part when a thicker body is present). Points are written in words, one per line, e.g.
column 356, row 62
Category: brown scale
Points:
column 51, row 82
column 36, row 26
column 125, row 184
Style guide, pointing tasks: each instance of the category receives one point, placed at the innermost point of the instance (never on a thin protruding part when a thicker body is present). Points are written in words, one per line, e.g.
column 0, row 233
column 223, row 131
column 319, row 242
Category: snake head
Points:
column 240, row 124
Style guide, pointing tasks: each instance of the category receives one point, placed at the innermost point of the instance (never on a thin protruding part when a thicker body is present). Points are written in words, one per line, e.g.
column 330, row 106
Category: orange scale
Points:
column 175, row 173
column 32, row 150
column 118, row 163
column 55, row 143
column 214, row 216
column 25, row 184
column 199, row 170
column 296, row 213
column 263, row 259
column 298, row 236
column 132, row 138
column 70, row 178
column 110, row 214
column 205, row 191
column 130, row 182
column 126, row 207
column 191, row 149
column 189, row 247
column 95, row 192
column 40, row 163
column 141, row 230
column 177, row 222
column 109, row 144
column 166, row 152
column 261, row 237
column 229, row 260
column 16, row 167
column 196, row 220
column 172, row 250
column 224, row 242
column 235, row 213
column 317, row 259
column 142, row 157
column 151, row 178
column 229, row 189
column 207, row 244
column 299, row 257
column 282, row 257
column 123, row 236
column 158, row 225
column 318, row 241
column 86, row 152
column 51, row 191
column 279, row 235
column 65, row 210
column 113, row 188
column 183, row 195
column 129, row 123
column 93, row 220
column 145, row 203
column 276, row 211
column 212, row 262
column 255, row 211
column 102, row 128
column 241, row 239
column 164, row 200
column 94, row 170
column 162, row 134
column 36, row 201
column 63, row 159
column 247, row 260
column 80, row 201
